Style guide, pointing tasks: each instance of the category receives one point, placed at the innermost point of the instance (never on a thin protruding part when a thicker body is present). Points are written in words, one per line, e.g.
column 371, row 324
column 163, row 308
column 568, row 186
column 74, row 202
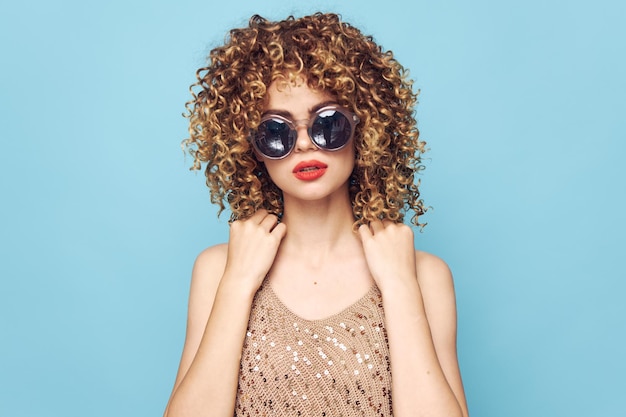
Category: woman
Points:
column 319, row 304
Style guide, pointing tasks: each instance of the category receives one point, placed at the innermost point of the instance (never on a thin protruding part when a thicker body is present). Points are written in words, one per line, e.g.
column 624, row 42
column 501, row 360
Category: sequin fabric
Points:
column 336, row 367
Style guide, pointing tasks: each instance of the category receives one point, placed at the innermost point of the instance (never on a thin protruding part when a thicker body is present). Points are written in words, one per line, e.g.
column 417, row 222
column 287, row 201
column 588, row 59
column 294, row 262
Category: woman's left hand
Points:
column 389, row 251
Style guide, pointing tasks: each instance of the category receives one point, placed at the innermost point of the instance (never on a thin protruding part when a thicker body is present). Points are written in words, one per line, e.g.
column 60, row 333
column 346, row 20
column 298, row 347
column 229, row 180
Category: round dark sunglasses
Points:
column 330, row 128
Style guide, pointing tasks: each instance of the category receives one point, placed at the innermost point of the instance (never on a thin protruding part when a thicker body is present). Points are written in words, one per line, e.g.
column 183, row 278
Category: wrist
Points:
column 399, row 286
column 239, row 286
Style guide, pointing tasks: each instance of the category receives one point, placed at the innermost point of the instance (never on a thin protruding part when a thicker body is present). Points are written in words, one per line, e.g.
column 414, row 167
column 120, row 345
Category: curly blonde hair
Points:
column 334, row 57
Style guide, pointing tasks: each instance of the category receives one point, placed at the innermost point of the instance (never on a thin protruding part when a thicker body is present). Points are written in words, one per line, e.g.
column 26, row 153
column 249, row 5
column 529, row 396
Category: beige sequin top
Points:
column 336, row 367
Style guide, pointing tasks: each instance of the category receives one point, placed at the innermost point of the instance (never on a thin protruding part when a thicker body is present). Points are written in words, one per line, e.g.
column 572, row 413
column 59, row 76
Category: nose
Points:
column 303, row 141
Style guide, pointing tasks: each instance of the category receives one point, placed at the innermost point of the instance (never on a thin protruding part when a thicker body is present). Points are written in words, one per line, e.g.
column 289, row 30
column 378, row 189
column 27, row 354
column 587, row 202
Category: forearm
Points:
column 419, row 383
column 210, row 385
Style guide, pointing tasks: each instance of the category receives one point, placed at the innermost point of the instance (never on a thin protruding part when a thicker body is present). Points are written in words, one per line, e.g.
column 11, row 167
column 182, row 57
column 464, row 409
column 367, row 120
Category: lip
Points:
column 309, row 170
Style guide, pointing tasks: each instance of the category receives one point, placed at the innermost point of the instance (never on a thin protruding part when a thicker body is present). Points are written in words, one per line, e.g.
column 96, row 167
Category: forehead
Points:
column 294, row 96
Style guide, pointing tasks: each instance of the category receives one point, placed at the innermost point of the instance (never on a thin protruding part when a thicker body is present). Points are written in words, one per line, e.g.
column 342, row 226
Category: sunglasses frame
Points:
column 352, row 118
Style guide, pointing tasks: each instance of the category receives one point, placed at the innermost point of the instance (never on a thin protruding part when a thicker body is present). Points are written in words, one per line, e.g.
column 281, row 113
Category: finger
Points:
column 387, row 222
column 258, row 216
column 376, row 226
column 364, row 232
column 280, row 230
column 269, row 221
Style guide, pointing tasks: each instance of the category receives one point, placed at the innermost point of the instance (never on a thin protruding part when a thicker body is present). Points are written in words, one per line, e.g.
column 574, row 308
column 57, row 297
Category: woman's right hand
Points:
column 218, row 316
column 252, row 247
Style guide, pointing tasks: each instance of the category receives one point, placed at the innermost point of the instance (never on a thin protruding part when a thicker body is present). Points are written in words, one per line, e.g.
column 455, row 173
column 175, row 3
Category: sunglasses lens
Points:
column 331, row 130
column 274, row 138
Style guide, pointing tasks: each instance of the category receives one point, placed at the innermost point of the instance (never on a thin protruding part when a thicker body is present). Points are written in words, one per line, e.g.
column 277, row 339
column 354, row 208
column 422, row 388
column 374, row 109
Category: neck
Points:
column 325, row 224
column 320, row 247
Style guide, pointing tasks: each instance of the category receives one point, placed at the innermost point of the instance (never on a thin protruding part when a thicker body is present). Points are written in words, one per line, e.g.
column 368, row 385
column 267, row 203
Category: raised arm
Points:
column 420, row 314
column 224, row 281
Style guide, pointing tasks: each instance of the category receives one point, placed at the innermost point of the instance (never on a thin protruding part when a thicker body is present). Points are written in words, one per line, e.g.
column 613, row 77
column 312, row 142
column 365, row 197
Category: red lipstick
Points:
column 309, row 170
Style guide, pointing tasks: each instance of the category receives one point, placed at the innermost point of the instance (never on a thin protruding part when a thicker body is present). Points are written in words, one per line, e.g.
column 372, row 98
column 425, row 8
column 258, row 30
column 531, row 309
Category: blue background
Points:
column 522, row 104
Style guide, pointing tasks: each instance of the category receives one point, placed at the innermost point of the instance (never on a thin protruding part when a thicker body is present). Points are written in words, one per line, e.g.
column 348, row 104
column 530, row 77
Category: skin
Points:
column 335, row 267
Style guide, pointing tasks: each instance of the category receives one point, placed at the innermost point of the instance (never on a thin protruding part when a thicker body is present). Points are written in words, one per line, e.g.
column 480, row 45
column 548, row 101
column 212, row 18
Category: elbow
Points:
column 172, row 410
column 459, row 410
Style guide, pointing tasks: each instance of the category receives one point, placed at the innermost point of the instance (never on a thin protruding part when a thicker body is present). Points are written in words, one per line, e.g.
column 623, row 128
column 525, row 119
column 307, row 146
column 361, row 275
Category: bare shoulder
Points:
column 207, row 271
column 435, row 279
column 205, row 278
column 432, row 268
column 212, row 255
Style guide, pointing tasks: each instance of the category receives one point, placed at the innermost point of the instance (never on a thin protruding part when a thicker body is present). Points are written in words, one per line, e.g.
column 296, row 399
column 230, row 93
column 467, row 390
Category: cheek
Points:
column 349, row 159
column 274, row 169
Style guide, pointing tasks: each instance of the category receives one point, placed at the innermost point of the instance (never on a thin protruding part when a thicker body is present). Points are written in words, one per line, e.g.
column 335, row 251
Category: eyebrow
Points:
column 287, row 114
